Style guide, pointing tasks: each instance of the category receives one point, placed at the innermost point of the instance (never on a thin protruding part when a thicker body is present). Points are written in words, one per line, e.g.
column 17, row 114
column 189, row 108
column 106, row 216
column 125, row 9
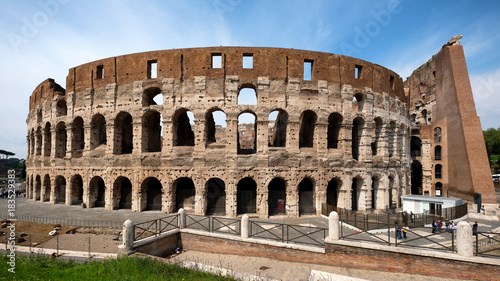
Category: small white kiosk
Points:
column 428, row 204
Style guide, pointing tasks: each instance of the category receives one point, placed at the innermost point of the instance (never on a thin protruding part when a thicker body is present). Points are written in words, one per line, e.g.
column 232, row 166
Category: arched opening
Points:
column 375, row 190
column 415, row 146
column 47, row 135
column 123, row 133
column 392, row 194
column 152, row 96
column 215, row 128
column 278, row 120
column 246, row 196
column 151, row 131
column 425, row 117
column 60, row 190
column 438, row 170
column 306, row 197
column 97, row 192
column 356, row 185
column 39, row 141
column 216, row 197
column 38, row 188
column 184, row 194
column 437, row 152
column 439, row 189
column 334, row 125
column 78, row 136
column 151, row 194
column 307, row 123
column 437, row 134
column 332, row 195
column 76, row 190
column 413, row 119
column 247, row 96
column 247, row 142
column 357, row 133
column 39, row 116
column 61, row 108
column 416, row 178
column 46, row 189
column 97, row 131
column 376, row 132
column 183, row 128
column 61, row 139
column 358, row 102
column 31, row 148
column 123, row 193
column 392, row 139
column 277, row 197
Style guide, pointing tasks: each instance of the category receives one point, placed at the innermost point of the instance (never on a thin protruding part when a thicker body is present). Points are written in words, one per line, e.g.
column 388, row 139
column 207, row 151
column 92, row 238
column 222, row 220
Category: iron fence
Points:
column 156, row 227
column 365, row 222
column 487, row 244
column 39, row 243
column 67, row 222
column 287, row 233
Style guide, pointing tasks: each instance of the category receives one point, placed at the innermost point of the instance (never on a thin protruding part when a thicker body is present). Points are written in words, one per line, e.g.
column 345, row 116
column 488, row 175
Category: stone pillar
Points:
column 244, row 227
column 333, row 226
column 69, row 142
column 53, row 146
column 126, row 248
column 110, row 137
column 182, row 218
column 464, row 239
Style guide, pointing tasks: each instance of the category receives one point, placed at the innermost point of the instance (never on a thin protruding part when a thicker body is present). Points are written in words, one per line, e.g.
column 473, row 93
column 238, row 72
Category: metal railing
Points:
column 366, row 222
column 67, row 222
column 487, row 244
column 287, row 233
column 156, row 227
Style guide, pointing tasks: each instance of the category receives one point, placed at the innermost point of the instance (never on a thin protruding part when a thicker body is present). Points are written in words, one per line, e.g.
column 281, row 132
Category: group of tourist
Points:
column 437, row 226
column 4, row 193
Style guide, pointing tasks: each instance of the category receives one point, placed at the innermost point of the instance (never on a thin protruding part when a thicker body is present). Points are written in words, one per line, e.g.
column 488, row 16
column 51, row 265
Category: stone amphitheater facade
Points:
column 120, row 136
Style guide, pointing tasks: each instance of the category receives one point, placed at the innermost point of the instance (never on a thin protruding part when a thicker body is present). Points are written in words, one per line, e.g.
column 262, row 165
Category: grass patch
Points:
column 127, row 268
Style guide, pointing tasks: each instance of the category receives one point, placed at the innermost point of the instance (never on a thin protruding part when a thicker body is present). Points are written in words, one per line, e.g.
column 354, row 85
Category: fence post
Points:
column 126, row 248
column 89, row 246
column 333, row 226
column 57, row 245
column 29, row 238
column 464, row 239
column 182, row 218
column 244, row 227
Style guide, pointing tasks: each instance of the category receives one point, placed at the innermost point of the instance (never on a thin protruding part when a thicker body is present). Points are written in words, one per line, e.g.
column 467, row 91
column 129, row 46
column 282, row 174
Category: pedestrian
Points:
column 405, row 229
column 412, row 216
column 398, row 232
column 474, row 229
column 483, row 210
column 434, row 226
column 439, row 225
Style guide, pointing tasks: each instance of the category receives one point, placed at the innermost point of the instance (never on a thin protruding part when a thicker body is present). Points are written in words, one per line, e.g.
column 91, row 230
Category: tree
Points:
column 492, row 141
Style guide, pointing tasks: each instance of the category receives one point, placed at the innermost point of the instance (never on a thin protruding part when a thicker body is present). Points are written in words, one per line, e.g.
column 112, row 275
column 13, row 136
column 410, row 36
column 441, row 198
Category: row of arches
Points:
column 183, row 128
column 151, row 194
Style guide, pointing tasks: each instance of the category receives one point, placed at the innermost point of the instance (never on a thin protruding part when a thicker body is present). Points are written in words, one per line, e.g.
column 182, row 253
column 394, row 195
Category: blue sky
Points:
column 42, row 39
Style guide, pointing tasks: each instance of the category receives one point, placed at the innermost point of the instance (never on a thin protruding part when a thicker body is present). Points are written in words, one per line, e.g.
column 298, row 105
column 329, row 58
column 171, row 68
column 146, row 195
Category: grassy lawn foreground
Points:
column 129, row 268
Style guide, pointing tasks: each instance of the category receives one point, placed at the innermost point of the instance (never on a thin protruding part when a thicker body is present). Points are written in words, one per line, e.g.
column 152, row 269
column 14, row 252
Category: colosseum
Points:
column 223, row 131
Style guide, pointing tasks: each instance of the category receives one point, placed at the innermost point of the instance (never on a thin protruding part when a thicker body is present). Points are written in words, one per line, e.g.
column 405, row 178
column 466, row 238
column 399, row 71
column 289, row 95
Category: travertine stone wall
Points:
column 105, row 126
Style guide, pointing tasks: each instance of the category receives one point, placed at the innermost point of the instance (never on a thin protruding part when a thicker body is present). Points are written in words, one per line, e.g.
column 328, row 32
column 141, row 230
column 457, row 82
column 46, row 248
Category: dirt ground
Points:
column 68, row 237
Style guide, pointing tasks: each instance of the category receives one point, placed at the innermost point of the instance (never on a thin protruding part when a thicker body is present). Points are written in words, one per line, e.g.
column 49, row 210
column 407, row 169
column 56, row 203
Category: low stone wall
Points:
column 159, row 246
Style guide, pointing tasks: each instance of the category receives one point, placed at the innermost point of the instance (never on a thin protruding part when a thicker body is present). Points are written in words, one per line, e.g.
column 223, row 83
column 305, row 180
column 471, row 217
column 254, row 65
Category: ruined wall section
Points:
column 441, row 89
